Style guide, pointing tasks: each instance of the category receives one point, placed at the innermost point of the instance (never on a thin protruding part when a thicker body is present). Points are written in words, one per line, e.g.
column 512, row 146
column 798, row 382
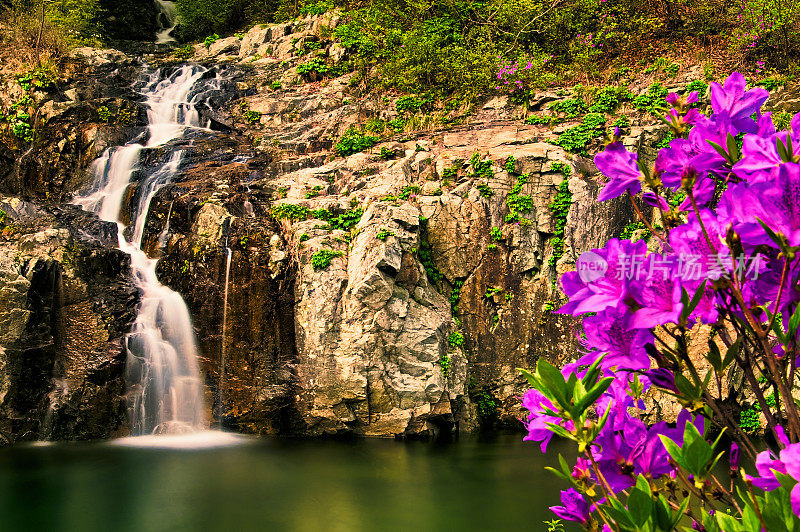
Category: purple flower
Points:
column 574, row 507
column 663, row 378
column 593, row 293
column 609, row 333
column 619, row 166
column 739, row 105
column 657, row 292
column 536, row 403
column 734, row 456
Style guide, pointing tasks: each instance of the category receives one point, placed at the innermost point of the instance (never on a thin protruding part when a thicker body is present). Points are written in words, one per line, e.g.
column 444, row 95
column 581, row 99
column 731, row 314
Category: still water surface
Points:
column 279, row 484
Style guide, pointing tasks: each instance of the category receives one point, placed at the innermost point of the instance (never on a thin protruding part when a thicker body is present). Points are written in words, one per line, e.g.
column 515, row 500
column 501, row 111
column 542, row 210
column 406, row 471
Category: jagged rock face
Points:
column 66, row 305
column 371, row 331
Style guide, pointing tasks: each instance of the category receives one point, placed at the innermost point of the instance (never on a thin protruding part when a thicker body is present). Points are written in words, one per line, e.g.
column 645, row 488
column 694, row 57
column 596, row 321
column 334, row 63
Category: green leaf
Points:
column 554, row 381
column 687, row 389
column 733, row 149
column 561, row 431
column 640, row 506
column 532, row 380
column 662, row 516
column 770, row 233
column 592, row 395
column 719, row 149
column 673, row 449
column 714, row 356
column 730, row 355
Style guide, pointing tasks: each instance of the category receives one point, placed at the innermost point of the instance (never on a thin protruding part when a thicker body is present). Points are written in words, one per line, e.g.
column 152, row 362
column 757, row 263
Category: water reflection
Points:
column 278, row 484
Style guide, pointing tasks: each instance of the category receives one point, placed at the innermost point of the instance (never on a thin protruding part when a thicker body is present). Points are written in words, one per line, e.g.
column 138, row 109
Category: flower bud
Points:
column 689, row 178
column 734, row 457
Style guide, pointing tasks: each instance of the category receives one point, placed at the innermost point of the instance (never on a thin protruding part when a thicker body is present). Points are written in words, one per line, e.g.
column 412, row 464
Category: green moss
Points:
column 633, row 228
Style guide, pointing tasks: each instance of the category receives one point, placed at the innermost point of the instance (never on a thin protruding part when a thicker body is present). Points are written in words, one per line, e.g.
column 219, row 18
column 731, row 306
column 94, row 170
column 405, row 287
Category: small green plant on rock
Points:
column 184, row 53
column 252, row 117
column 211, row 39
column 444, row 363
column 383, row 234
column 323, row 258
column 456, row 339
column 313, row 68
column 354, row 141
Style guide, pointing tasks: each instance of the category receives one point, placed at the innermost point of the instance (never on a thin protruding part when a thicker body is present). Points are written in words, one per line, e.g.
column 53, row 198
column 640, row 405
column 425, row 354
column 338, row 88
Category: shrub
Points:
column 354, row 141
column 313, row 68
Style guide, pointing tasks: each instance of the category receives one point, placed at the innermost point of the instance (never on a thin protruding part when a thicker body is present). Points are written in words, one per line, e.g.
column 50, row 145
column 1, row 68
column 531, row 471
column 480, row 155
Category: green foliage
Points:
column 252, row 117
column 290, row 211
column 632, row 229
column 408, row 191
column 481, row 168
column 456, row 339
column 576, row 139
column 554, row 525
column 559, row 208
column 608, row 99
column 444, row 363
column 749, row 420
column 354, row 141
column 211, row 39
column 571, row 107
column 313, row 67
column 496, row 234
column 538, row 120
column 275, row 85
column 771, row 83
column 698, row 85
column 304, row 237
column 383, row 234
column 485, row 190
column 78, row 20
column 455, row 295
column 185, row 53
column 653, row 101
column 323, row 258
column 485, row 405
column 516, row 202
column 411, row 104
column 314, row 192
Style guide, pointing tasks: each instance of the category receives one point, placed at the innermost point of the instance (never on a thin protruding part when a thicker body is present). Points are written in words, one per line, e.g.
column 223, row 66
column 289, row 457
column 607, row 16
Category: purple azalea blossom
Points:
column 787, row 463
column 609, row 333
column 574, row 507
column 657, row 292
column 738, row 104
column 599, row 292
column 619, row 166
column 536, row 403
column 663, row 378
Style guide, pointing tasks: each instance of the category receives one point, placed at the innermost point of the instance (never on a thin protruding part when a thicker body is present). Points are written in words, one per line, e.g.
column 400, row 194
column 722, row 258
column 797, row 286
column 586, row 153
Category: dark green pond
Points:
column 278, row 484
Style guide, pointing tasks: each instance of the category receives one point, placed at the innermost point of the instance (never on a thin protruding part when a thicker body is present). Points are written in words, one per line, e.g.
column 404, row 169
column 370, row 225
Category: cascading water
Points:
column 228, row 256
column 165, row 389
column 167, row 20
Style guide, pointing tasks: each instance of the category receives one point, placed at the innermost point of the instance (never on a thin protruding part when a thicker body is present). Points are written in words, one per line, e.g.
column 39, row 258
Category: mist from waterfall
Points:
column 165, row 392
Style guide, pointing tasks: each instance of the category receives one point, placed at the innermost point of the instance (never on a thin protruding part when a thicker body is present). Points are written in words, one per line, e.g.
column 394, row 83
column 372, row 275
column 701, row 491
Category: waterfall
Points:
column 228, row 255
column 167, row 20
column 165, row 391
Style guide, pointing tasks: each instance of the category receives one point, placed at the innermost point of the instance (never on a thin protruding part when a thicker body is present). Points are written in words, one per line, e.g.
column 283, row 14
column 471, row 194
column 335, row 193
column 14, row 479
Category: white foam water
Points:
column 165, row 391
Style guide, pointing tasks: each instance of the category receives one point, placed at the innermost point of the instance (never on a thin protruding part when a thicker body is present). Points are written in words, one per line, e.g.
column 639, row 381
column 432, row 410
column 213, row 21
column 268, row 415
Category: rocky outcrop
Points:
column 66, row 305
